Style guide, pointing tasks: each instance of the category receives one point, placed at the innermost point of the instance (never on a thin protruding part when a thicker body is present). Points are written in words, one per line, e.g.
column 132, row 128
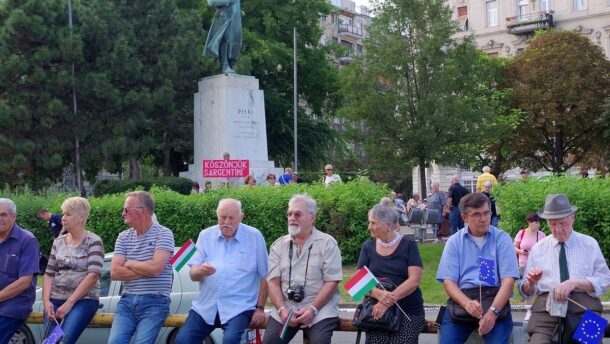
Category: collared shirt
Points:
column 335, row 178
column 18, row 258
column 143, row 248
column 486, row 177
column 324, row 266
column 585, row 260
column 459, row 261
column 55, row 225
column 240, row 264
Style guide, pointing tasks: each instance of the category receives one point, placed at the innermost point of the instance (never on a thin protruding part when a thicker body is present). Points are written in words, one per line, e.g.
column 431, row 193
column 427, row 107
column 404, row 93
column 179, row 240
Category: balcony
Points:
column 520, row 25
column 355, row 31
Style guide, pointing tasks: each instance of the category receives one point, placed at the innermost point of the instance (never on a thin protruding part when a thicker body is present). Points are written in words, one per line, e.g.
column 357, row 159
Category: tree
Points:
column 560, row 82
column 35, row 92
column 267, row 55
column 421, row 95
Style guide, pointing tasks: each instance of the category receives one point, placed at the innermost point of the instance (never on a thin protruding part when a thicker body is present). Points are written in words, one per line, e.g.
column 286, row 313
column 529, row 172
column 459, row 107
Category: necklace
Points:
column 392, row 242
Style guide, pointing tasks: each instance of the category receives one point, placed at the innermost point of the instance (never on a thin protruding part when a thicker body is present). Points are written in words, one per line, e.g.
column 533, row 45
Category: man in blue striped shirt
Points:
column 141, row 260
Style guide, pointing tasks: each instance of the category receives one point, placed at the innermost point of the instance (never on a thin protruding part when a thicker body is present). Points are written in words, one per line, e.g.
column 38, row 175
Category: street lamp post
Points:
column 77, row 170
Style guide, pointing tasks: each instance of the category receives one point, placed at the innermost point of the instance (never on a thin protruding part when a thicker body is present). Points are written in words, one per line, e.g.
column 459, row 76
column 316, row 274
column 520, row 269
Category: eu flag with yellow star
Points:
column 487, row 271
column 590, row 328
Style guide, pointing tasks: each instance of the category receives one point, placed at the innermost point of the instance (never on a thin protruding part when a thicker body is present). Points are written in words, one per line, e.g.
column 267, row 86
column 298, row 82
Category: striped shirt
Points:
column 70, row 265
column 585, row 260
column 143, row 248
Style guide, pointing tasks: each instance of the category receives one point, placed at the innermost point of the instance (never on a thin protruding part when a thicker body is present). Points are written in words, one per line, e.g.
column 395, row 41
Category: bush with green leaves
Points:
column 110, row 187
column 516, row 199
column 342, row 212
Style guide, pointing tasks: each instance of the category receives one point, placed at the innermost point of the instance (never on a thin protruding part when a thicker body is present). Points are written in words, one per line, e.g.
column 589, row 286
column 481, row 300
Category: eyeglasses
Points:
column 127, row 210
column 295, row 214
column 329, row 169
column 478, row 215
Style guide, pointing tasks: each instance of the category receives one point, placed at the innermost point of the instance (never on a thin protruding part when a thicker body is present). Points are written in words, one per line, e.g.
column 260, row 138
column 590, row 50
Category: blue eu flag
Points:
column 487, row 271
column 590, row 328
column 55, row 336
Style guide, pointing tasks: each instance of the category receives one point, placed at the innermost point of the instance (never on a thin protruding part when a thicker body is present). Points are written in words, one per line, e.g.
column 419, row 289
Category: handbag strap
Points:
column 358, row 336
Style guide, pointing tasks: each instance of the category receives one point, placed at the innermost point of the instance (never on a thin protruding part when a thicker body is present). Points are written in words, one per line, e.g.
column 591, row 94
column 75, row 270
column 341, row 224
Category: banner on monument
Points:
column 226, row 168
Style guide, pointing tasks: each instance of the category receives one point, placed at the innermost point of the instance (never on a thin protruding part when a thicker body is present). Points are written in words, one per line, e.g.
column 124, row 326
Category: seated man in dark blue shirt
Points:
column 55, row 225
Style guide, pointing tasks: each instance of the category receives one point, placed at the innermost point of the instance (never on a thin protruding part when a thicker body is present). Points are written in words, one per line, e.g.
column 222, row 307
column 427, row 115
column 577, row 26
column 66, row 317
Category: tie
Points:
column 564, row 274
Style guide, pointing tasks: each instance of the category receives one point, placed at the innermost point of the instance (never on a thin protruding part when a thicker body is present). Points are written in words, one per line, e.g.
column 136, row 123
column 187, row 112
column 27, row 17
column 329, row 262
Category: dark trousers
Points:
column 318, row 333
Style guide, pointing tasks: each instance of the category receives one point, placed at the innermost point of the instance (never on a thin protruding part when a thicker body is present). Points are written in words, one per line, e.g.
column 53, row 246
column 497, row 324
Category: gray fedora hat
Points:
column 556, row 206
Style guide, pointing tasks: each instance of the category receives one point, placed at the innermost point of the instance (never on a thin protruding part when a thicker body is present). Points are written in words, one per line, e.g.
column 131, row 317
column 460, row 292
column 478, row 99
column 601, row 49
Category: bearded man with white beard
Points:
column 304, row 272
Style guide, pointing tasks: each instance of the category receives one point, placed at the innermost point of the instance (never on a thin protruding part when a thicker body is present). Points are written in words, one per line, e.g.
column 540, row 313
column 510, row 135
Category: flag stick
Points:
column 396, row 303
column 578, row 304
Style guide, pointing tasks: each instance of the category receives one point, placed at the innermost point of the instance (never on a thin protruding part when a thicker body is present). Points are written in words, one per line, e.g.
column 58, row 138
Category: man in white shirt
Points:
column 330, row 177
column 568, row 264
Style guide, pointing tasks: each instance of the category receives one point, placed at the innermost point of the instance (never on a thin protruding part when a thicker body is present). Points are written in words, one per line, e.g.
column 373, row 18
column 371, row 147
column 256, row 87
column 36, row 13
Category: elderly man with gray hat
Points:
column 564, row 265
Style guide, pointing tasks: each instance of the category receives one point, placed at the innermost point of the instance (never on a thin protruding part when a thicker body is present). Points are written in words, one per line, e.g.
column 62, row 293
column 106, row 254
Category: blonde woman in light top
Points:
column 71, row 286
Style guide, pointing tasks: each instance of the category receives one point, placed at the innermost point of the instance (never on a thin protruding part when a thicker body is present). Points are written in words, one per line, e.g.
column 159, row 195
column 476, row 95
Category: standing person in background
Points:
column 249, row 181
column 524, row 174
column 526, row 239
column 207, row 186
column 286, row 177
column 437, row 201
column 494, row 212
column 391, row 256
column 330, row 177
column 486, row 176
column 141, row 260
column 71, row 287
column 54, row 220
column 19, row 262
column 195, row 188
column 454, row 195
column 271, row 180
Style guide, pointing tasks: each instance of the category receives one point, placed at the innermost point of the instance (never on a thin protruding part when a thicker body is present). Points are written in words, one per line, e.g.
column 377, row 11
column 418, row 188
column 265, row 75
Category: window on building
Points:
column 580, row 5
column 546, row 5
column 491, row 13
column 470, row 184
column 348, row 45
column 522, row 9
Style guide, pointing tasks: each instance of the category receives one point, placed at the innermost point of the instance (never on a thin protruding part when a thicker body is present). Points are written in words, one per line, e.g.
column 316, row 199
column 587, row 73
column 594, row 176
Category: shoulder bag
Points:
column 363, row 317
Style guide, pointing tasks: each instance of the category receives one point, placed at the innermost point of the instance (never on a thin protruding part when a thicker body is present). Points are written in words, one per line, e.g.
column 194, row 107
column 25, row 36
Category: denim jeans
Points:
column 75, row 322
column 195, row 329
column 451, row 332
column 455, row 218
column 8, row 327
column 140, row 314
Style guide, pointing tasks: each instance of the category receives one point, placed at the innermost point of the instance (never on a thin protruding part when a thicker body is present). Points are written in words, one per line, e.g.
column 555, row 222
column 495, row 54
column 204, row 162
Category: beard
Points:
column 294, row 230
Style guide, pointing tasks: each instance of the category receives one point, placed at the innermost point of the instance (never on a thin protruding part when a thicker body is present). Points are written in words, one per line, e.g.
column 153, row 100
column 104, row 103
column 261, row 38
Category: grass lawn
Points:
column 432, row 290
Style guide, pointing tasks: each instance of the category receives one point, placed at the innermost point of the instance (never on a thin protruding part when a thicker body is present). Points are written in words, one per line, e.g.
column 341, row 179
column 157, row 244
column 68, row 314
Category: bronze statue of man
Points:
column 224, row 38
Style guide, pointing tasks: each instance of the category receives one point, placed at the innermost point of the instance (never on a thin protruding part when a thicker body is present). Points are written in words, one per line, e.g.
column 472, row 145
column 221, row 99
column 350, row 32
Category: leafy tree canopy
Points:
column 560, row 82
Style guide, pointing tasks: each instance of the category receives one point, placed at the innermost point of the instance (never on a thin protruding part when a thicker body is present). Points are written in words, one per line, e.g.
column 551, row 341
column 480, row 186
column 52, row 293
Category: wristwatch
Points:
column 495, row 310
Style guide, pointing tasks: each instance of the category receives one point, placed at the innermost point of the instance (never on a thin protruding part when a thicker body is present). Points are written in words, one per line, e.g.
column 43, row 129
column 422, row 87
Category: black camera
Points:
column 296, row 294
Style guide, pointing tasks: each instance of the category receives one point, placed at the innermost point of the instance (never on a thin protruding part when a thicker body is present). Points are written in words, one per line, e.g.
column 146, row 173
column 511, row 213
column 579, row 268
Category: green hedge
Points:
column 111, row 187
column 591, row 196
column 342, row 212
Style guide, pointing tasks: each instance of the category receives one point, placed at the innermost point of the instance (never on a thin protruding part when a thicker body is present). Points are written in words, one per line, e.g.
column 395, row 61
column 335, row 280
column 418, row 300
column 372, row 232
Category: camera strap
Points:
column 290, row 266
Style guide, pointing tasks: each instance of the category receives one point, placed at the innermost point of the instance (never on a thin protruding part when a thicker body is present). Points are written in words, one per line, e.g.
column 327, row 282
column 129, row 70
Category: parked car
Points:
column 183, row 292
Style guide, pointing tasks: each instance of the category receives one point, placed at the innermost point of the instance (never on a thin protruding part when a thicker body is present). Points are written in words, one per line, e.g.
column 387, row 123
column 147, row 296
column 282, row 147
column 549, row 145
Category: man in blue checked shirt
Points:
column 464, row 272
column 230, row 265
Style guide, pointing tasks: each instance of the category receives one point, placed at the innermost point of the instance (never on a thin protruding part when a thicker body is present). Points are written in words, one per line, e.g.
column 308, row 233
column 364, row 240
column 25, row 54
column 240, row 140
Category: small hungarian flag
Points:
column 183, row 255
column 284, row 329
column 360, row 284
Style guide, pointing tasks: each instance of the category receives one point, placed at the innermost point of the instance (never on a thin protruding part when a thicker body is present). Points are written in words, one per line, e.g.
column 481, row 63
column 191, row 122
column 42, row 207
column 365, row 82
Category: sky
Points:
column 363, row 2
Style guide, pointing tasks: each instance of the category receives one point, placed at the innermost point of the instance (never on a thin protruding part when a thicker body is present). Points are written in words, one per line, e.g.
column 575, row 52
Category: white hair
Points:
column 11, row 205
column 486, row 169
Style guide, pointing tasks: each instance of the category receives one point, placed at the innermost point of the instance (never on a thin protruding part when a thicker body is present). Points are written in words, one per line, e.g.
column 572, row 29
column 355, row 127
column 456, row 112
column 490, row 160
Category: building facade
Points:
column 505, row 27
column 346, row 27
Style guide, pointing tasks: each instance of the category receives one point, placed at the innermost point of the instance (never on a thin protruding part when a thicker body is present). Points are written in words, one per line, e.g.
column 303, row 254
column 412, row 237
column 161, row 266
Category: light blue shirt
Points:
column 459, row 261
column 240, row 264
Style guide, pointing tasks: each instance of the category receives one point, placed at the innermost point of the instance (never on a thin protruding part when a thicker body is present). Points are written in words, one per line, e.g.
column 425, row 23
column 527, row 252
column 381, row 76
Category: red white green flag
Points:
column 284, row 329
column 181, row 258
column 360, row 284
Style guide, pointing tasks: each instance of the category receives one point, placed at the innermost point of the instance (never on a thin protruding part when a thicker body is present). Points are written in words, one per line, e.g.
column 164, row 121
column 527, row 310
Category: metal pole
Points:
column 77, row 170
column 295, row 96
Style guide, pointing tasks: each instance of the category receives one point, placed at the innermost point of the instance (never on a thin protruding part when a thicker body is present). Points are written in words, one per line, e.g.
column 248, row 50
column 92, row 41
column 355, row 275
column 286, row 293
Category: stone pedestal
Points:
column 229, row 116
